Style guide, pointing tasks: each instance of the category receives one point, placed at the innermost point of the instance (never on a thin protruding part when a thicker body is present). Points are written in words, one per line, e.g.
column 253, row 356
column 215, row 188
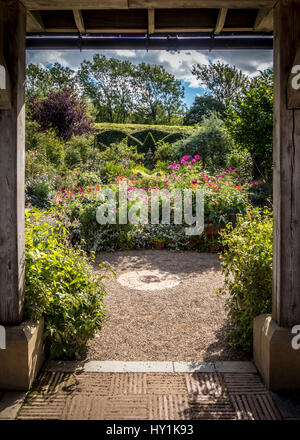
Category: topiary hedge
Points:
column 157, row 134
column 174, row 137
column 109, row 137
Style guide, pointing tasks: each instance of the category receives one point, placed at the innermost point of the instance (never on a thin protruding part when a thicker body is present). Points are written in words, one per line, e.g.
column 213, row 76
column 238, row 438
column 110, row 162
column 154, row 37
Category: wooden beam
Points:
column 49, row 5
column 34, row 22
column 264, row 20
column 151, row 21
column 286, row 256
column 221, row 20
column 12, row 167
column 144, row 4
column 79, row 20
column 218, row 4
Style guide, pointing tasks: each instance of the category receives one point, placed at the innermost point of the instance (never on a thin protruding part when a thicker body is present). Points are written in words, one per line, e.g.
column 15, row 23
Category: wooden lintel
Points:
column 34, row 22
column 264, row 20
column 151, row 21
column 79, row 20
column 221, row 20
column 144, row 4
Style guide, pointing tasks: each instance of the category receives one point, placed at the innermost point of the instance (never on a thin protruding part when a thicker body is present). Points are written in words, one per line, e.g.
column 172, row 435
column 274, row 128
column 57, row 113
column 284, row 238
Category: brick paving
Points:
column 148, row 396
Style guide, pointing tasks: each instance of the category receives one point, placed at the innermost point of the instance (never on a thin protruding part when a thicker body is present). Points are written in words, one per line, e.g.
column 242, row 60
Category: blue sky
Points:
column 179, row 63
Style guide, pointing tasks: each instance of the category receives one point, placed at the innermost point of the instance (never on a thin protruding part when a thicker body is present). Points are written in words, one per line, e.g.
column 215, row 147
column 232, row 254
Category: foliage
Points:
column 241, row 162
column 203, row 106
column 250, row 122
column 211, row 142
column 61, row 286
column 157, row 90
column 133, row 129
column 108, row 83
column 164, row 152
column 247, row 267
column 222, row 80
column 40, row 81
column 39, row 191
column 63, row 111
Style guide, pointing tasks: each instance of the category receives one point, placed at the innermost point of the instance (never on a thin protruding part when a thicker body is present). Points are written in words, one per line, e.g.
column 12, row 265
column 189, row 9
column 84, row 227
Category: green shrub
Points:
column 241, row 161
column 164, row 152
column 39, row 191
column 247, row 267
column 61, row 286
column 211, row 142
column 79, row 148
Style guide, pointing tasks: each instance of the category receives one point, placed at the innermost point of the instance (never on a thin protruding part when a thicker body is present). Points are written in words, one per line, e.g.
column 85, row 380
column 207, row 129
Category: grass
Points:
column 130, row 128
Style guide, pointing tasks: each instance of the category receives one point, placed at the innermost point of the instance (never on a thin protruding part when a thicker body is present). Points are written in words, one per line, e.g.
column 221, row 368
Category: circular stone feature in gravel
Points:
column 148, row 280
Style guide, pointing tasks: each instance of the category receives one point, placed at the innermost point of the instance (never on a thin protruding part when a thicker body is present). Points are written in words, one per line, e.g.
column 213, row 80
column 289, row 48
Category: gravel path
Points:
column 186, row 322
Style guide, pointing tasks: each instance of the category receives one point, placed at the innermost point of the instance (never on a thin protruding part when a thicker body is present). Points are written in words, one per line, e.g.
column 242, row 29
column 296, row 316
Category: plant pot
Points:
column 210, row 230
column 159, row 244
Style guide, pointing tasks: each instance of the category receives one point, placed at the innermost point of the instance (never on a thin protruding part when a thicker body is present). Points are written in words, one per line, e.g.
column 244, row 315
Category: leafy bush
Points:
column 211, row 142
column 247, row 267
column 61, row 286
column 62, row 111
column 79, row 148
column 164, row 152
column 241, row 161
column 39, row 191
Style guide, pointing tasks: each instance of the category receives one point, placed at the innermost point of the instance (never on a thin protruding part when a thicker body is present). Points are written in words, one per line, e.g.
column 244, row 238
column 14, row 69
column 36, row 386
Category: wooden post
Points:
column 286, row 261
column 12, row 141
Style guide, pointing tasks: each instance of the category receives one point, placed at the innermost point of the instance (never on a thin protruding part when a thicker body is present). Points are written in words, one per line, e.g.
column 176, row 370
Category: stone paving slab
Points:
column 150, row 367
column 10, row 404
column 147, row 395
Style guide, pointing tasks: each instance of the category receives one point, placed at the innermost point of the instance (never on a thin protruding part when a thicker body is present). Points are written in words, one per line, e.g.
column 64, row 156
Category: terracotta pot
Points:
column 211, row 230
column 159, row 244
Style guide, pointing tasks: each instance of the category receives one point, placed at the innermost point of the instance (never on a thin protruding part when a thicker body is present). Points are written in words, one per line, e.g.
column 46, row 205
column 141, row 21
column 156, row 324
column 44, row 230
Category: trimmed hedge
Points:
column 156, row 134
column 174, row 137
column 109, row 137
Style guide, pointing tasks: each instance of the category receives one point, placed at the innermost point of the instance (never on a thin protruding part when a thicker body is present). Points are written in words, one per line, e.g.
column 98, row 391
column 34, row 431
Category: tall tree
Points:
column 40, row 80
column 158, row 89
column 109, row 85
column 203, row 106
column 222, row 80
column 250, row 122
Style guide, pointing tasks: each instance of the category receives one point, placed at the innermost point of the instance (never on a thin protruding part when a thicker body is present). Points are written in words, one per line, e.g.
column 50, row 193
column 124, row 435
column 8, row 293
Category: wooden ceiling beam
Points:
column 151, row 21
column 216, row 4
column 34, row 22
column 48, row 5
column 79, row 20
column 144, row 4
column 221, row 20
column 264, row 20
